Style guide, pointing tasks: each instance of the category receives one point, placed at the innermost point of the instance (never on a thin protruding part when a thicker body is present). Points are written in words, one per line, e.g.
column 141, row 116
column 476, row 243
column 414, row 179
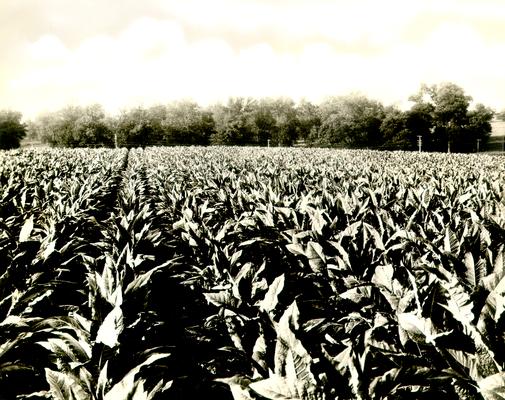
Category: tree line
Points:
column 440, row 117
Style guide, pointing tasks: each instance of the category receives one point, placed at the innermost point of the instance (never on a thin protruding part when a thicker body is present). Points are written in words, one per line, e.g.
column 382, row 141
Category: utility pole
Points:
column 419, row 142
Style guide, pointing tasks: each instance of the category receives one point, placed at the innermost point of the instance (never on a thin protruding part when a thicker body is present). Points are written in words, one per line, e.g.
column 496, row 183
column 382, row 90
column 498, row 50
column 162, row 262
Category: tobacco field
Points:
column 251, row 273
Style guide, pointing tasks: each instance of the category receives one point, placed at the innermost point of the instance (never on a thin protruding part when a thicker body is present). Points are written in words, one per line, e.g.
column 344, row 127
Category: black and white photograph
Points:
column 252, row 199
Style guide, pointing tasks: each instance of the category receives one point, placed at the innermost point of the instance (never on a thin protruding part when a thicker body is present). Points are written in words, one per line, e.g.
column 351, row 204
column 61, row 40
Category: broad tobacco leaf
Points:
column 292, row 362
column 493, row 387
column 64, row 387
column 271, row 299
column 111, row 328
column 26, row 230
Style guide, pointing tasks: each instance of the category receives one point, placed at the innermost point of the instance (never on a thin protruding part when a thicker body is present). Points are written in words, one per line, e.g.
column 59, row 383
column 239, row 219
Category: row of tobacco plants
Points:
column 250, row 273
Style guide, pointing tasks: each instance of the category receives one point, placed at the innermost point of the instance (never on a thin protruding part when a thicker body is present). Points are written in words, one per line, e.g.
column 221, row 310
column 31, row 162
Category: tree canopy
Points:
column 442, row 115
column 12, row 130
column 350, row 121
column 75, row 126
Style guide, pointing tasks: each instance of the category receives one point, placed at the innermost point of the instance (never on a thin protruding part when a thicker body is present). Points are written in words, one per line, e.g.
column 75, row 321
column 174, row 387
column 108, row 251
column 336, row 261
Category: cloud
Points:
column 339, row 22
column 212, row 50
column 48, row 48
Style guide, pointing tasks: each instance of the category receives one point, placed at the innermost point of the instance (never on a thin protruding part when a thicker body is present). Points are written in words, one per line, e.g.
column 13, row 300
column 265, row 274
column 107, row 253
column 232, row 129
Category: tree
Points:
column 185, row 122
column 136, row 127
column 447, row 106
column 265, row 123
column 156, row 116
column 394, row 130
column 419, row 122
column 350, row 121
column 58, row 128
column 43, row 126
column 308, row 119
column 478, row 128
column 12, row 130
column 75, row 126
column 450, row 114
column 92, row 127
column 286, row 122
column 276, row 121
column 234, row 122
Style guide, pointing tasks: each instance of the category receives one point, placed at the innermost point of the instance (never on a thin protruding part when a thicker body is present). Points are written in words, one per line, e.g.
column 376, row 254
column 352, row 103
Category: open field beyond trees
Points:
column 248, row 273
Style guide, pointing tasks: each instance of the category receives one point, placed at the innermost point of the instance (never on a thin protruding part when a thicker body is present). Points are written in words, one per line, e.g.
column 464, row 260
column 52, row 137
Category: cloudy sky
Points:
column 122, row 53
